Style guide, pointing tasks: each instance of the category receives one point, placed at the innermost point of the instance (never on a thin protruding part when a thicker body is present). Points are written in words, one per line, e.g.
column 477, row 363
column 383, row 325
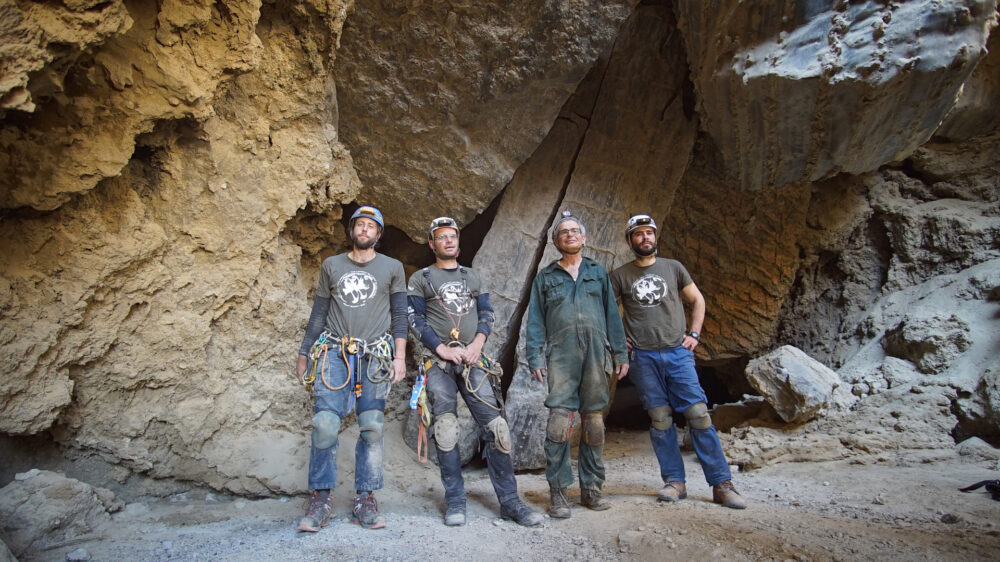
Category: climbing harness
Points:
column 379, row 354
column 418, row 402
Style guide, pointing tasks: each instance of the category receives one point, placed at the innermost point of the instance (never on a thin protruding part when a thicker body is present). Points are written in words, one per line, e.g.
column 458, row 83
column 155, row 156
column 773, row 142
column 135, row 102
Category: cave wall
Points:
column 173, row 174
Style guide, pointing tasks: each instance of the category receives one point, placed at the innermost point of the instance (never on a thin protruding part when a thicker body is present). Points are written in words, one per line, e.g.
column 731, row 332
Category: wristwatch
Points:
column 694, row 335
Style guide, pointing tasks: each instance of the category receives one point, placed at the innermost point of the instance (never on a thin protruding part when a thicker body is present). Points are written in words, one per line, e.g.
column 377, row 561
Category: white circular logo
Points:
column 356, row 288
column 649, row 290
column 455, row 297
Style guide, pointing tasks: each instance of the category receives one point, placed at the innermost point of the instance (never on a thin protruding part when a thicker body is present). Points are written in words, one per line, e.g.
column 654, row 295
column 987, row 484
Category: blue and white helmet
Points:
column 367, row 212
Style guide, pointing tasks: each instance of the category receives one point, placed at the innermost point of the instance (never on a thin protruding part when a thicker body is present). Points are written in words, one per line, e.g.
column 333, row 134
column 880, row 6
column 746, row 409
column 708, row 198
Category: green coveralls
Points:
column 575, row 332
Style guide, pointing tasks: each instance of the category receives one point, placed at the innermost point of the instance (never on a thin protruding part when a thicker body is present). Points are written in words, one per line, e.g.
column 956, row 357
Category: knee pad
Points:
column 446, row 431
column 661, row 417
column 501, row 434
column 559, row 426
column 593, row 429
column 370, row 423
column 697, row 416
column 326, row 427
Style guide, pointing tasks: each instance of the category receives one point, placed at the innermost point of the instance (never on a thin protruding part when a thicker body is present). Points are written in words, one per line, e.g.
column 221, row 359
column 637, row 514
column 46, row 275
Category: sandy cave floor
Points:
column 899, row 510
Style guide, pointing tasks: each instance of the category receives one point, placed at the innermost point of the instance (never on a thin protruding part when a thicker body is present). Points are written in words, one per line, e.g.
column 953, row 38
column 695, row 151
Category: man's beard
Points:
column 644, row 253
column 444, row 255
column 363, row 245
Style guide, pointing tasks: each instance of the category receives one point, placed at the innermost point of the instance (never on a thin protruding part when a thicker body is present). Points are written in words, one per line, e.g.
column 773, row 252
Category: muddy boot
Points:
column 318, row 513
column 592, row 499
column 673, row 491
column 519, row 512
column 726, row 494
column 558, row 503
column 455, row 515
column 366, row 511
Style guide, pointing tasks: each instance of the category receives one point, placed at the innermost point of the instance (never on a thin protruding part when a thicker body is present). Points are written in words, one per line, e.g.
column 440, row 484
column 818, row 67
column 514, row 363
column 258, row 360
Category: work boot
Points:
column 366, row 511
column 675, row 490
column 558, row 503
column 318, row 514
column 592, row 499
column 726, row 494
column 519, row 512
column 454, row 516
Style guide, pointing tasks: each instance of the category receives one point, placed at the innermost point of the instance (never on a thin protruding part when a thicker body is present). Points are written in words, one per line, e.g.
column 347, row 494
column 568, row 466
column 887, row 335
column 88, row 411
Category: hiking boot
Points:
column 318, row 514
column 454, row 516
column 675, row 490
column 592, row 499
column 519, row 512
column 726, row 494
column 366, row 511
column 558, row 503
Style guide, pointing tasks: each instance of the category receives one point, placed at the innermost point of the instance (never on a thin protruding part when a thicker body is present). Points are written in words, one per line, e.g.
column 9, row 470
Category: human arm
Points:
column 535, row 331
column 616, row 330
column 397, row 310
column 314, row 327
column 483, row 328
column 693, row 296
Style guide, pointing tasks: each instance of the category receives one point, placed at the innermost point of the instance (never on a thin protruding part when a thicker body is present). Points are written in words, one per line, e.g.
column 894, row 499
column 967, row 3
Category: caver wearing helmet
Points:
column 451, row 316
column 653, row 291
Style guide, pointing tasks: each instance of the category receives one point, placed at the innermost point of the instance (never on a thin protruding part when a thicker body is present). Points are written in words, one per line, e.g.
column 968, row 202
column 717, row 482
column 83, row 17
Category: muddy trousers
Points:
column 443, row 387
column 331, row 407
column 559, row 470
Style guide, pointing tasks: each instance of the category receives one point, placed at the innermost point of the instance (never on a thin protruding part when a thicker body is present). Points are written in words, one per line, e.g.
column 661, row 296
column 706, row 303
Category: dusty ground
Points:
column 901, row 510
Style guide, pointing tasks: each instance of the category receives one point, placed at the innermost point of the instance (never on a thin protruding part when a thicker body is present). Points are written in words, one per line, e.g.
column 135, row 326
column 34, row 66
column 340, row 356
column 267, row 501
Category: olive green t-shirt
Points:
column 450, row 301
column 359, row 294
column 651, row 298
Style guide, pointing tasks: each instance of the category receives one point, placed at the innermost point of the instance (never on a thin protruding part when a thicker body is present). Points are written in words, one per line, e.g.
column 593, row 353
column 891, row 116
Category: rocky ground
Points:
column 901, row 509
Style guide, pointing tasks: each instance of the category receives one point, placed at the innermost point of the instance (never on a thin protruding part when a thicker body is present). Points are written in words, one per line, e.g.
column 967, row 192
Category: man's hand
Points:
column 621, row 371
column 453, row 354
column 398, row 369
column 300, row 367
column 689, row 343
column 539, row 374
column 471, row 353
column 628, row 342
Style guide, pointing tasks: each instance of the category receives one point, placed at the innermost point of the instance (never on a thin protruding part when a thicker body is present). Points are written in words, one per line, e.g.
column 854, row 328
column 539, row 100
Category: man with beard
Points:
column 572, row 313
column 651, row 290
column 450, row 314
column 354, row 347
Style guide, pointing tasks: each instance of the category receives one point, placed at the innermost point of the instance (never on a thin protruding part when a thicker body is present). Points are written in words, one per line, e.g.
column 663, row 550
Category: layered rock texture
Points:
column 171, row 175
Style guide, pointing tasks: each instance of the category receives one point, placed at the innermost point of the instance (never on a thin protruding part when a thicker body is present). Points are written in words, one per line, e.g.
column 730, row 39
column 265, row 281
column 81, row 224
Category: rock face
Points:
column 800, row 91
column 172, row 174
column 459, row 95
column 798, row 387
column 43, row 508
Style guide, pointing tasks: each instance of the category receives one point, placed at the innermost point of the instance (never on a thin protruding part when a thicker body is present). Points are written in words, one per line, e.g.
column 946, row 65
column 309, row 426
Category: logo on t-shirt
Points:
column 356, row 288
column 649, row 290
column 455, row 297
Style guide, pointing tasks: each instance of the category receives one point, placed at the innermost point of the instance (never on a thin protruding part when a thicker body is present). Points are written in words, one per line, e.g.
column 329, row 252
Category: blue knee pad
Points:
column 326, row 427
column 370, row 422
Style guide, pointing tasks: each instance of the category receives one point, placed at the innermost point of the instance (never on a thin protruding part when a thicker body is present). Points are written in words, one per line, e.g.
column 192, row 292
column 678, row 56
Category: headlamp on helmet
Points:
column 636, row 222
column 441, row 222
column 368, row 212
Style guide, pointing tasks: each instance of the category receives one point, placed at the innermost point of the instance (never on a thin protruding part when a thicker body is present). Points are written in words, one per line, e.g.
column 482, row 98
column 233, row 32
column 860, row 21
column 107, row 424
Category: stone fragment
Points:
column 976, row 449
column 798, row 387
column 932, row 342
column 47, row 508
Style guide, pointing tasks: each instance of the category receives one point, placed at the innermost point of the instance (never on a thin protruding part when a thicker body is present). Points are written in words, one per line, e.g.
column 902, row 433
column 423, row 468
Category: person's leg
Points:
column 442, row 389
column 649, row 378
column 368, row 459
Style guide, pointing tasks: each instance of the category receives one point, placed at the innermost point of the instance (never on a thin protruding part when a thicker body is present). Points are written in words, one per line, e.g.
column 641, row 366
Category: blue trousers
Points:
column 367, row 455
column 668, row 377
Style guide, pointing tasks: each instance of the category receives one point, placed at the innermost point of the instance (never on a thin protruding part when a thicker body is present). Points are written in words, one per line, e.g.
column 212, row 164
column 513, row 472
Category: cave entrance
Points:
column 723, row 381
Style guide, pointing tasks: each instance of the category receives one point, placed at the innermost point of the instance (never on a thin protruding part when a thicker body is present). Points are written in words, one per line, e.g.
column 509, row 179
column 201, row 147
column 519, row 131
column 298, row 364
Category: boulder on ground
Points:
column 932, row 343
column 798, row 387
column 42, row 508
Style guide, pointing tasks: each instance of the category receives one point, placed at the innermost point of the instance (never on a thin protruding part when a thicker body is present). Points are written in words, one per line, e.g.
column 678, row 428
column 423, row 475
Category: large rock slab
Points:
column 800, row 91
column 798, row 387
column 629, row 125
column 41, row 508
column 445, row 101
